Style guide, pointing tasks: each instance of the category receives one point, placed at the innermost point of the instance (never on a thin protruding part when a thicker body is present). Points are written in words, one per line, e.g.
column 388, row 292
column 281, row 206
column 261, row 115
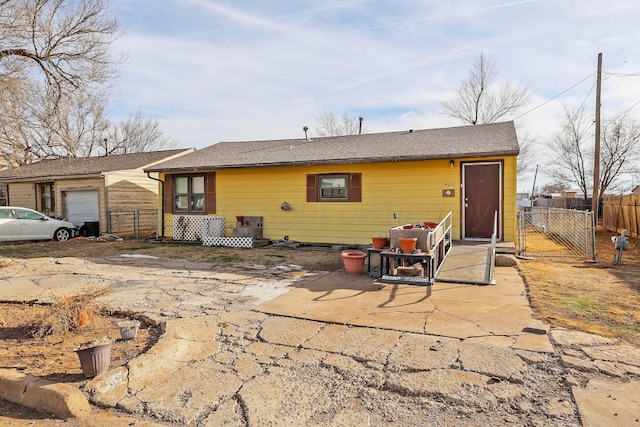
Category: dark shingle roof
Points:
column 87, row 166
column 498, row 139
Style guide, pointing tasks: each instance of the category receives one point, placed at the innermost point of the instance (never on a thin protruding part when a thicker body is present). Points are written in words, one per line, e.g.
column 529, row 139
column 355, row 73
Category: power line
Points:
column 551, row 99
column 630, row 108
column 624, row 74
column 588, row 94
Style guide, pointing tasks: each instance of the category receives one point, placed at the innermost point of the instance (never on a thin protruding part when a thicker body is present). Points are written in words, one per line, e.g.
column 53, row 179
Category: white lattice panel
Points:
column 197, row 227
column 231, row 242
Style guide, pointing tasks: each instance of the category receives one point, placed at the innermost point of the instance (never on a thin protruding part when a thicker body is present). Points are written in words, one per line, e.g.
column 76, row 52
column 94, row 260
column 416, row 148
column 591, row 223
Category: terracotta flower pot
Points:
column 428, row 224
column 353, row 261
column 94, row 359
column 380, row 242
column 408, row 244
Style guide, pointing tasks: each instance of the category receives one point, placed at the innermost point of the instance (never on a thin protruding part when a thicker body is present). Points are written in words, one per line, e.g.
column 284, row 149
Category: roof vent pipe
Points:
column 306, row 136
column 361, row 119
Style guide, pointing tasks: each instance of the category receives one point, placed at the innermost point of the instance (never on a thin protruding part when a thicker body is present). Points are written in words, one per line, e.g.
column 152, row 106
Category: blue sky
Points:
column 213, row 71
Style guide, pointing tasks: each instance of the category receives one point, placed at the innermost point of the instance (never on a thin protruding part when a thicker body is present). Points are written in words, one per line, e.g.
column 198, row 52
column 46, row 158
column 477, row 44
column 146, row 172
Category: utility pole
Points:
column 534, row 183
column 596, row 159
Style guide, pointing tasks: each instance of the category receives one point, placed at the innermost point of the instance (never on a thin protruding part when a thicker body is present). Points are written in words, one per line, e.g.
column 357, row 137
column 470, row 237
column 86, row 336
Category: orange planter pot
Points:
column 353, row 262
column 380, row 242
column 408, row 244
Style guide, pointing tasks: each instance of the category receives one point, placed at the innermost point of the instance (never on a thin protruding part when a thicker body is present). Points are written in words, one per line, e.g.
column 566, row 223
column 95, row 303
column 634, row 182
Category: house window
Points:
column 187, row 194
column 4, row 195
column 333, row 187
column 337, row 187
column 47, row 197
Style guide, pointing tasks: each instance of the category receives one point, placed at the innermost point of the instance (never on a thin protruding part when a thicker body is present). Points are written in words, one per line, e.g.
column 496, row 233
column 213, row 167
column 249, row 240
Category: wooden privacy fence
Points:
column 621, row 212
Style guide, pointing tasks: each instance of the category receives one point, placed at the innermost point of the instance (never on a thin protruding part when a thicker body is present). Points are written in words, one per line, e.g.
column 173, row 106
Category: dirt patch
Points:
column 53, row 357
column 313, row 258
column 597, row 297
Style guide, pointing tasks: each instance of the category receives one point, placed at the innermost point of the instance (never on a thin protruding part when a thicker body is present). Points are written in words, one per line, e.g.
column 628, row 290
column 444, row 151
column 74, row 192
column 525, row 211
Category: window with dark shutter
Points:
column 190, row 194
column 335, row 187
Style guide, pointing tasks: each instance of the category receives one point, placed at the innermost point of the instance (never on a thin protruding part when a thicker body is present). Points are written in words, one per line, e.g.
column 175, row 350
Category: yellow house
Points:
column 347, row 189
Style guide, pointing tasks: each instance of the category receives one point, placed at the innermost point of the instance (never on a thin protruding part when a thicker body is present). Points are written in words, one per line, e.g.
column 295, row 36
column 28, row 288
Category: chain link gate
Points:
column 133, row 223
column 553, row 232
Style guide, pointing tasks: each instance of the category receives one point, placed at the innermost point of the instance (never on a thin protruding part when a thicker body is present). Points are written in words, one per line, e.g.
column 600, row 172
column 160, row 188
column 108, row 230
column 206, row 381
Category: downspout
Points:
column 161, row 203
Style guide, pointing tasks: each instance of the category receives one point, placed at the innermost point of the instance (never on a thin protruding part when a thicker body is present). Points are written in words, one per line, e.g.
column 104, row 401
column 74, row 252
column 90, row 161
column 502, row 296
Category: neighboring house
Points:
column 87, row 190
column 636, row 190
column 347, row 189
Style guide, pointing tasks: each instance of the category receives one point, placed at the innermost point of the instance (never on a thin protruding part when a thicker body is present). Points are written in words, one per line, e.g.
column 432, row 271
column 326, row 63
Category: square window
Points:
column 333, row 187
column 189, row 194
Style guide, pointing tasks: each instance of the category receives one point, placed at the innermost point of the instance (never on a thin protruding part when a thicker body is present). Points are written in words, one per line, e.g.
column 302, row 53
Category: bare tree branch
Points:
column 478, row 102
column 56, row 68
column 619, row 151
column 68, row 42
column 330, row 125
column 136, row 134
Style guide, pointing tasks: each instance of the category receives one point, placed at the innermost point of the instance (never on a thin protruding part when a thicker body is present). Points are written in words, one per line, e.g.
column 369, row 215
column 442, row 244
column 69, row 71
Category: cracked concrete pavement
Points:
column 250, row 346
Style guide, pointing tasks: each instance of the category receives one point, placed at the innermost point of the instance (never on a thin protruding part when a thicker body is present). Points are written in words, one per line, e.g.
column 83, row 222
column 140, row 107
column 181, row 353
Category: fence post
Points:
column 136, row 223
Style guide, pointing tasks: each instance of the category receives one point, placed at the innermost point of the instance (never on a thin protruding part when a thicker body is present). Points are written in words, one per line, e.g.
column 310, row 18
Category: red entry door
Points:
column 481, row 199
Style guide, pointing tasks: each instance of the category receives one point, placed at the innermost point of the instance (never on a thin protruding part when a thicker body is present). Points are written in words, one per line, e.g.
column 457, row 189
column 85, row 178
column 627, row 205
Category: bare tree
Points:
column 55, row 72
column 527, row 155
column 330, row 125
column 62, row 44
column 35, row 130
column 556, row 187
column 619, row 151
column 574, row 161
column 478, row 101
column 135, row 134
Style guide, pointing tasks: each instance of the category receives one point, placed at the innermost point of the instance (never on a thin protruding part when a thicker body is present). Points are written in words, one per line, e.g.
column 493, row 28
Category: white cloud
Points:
column 213, row 71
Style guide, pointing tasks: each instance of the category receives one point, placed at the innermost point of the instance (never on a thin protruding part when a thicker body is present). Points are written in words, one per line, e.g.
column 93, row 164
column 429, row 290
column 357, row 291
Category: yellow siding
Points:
column 23, row 195
column 510, row 199
column 412, row 190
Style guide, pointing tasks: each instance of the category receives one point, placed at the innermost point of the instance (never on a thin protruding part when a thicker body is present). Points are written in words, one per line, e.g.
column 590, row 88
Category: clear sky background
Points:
column 214, row 71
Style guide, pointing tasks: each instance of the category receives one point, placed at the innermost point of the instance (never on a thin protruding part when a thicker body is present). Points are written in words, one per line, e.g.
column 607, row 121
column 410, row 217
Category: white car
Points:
column 27, row 224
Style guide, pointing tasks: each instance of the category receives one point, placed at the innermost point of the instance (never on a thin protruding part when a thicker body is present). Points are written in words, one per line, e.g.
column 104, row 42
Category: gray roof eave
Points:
column 51, row 178
column 348, row 161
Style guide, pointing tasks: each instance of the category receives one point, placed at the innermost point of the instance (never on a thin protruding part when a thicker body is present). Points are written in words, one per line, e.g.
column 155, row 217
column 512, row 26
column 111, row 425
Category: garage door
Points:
column 82, row 206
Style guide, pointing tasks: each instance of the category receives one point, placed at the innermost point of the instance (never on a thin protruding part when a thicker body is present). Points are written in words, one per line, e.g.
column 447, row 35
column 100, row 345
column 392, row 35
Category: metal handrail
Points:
column 443, row 230
column 492, row 258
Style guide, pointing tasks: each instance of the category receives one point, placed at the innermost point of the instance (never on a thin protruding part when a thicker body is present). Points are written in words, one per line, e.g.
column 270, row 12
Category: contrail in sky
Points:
column 431, row 18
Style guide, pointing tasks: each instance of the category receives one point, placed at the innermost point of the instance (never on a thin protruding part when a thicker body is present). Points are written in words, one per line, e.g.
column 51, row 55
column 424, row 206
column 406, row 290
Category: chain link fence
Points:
column 138, row 223
column 553, row 232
